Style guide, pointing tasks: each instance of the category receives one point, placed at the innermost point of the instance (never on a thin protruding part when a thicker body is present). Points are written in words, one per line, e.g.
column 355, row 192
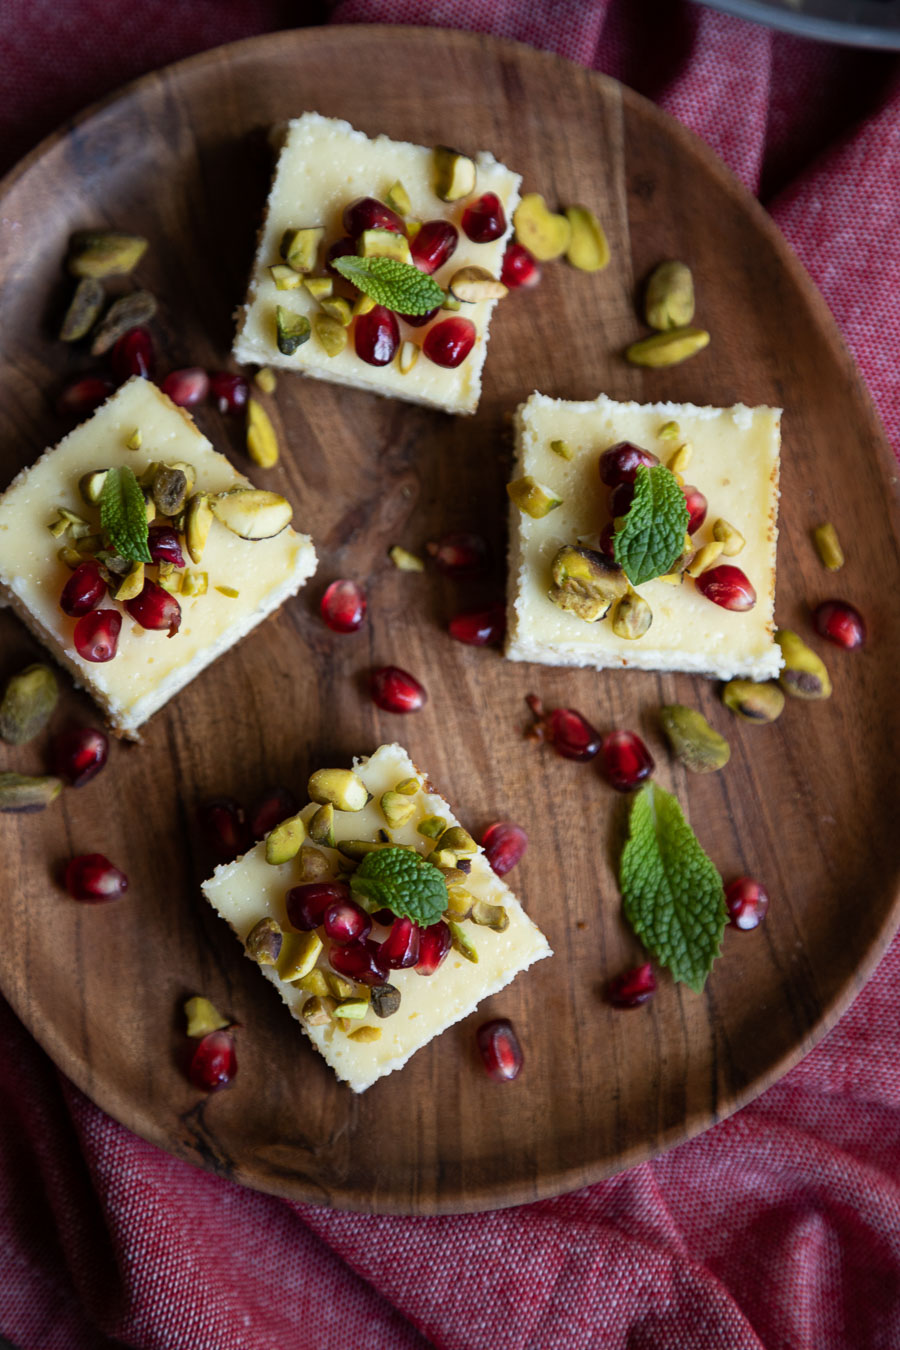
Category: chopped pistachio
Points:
column 341, row 988
column 407, row 356
column 314, row 982
column 58, row 527
column 330, row 333
column 264, row 942
column 384, row 244
column 397, row 808
column 667, row 348
column 532, row 498
column 405, row 561
column 77, row 526
column 408, row 786
column 194, row 583
column 545, row 234
column 342, row 788
column 669, row 297
column 202, row 1017
column 363, row 304
column 562, row 448
column 451, row 303
column 283, row 843
column 472, row 284
column 354, row 1009
column 90, row 485
column 365, row 1035
column 828, row 546
column 461, row 941
column 104, row 253
column 132, row 583
column 454, row 174
column 490, row 916
column 321, row 826
column 704, row 558
column 135, row 440
column 252, row 513
column 291, row 330
column 585, row 583
column 228, row 591
column 443, row 858
column 680, row 458
column 84, row 310
column 130, row 311
column 285, row 278
column 320, row 288
column 398, row 199
column 804, row 674
column 265, row 379
column 27, row 705
column 338, row 308
column 70, row 556
column 170, row 581
column 588, row 246
column 299, row 953
column 197, row 523
column 732, row 540
column 169, row 490
column 318, row 1012
column 753, row 702
column 669, row 431
column 458, row 840
column 632, row 615
column 385, row 1000
column 312, row 865
column 299, row 247
column 18, row 792
column 699, row 747
column 356, row 849
column 432, row 827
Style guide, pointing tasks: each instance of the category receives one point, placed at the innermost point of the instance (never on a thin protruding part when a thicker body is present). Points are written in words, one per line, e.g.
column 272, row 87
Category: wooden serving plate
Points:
column 808, row 804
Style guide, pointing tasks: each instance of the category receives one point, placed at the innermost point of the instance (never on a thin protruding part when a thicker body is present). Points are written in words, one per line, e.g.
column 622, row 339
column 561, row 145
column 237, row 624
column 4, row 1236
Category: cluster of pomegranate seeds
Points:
column 485, row 220
column 83, row 396
column 343, row 606
column 92, row 878
column 519, row 267
column 504, row 845
column 448, row 343
column 625, row 760
column 155, row 608
column 306, row 905
column 271, row 809
column 396, row 691
column 214, row 1062
column 84, row 590
column 434, row 944
column 223, row 825
column 620, row 463
column 96, row 635
column 632, row 988
column 499, row 1048
column 187, row 387
column 459, row 554
column 728, row 586
column 78, row 754
column 697, row 507
column 746, row 901
column 164, row 545
column 229, row 391
column 434, row 245
column 368, row 213
column 345, row 921
column 376, row 336
column 360, row 961
column 479, row 627
column 840, row 623
column 133, row 354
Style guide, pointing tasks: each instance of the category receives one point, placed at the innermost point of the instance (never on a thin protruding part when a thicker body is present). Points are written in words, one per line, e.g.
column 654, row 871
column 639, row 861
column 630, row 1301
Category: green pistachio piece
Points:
column 104, row 253
column 408, row 786
column 203, row 1017
column 84, row 310
column 432, row 827
column 700, row 748
column 458, row 840
column 197, row 524
column 454, row 174
column 804, row 674
column 461, row 941
column 490, row 916
column 632, row 616
column 331, row 333
column 396, row 808
column 588, row 246
column 365, row 1034
column 669, row 298
column 339, row 308
column 300, row 247
column 353, row 1008
column 340, row 988
column 318, row 1012
column 21, row 793
column 585, row 583
column 460, row 903
column 341, row 787
column 131, row 311
column 532, row 497
column 291, row 330
column 252, row 513
column 562, row 448
column 320, row 288
column 90, row 485
column 299, row 953
column 356, row 849
column 443, row 858
column 131, row 584
column 385, row 1000
column 192, row 583
column 312, row 865
column 405, row 561
column 169, row 490
column 828, row 546
column 321, row 826
column 285, row 278
column 472, row 284
column 315, row 982
column 27, row 705
column 667, row 349
column 398, row 199
column 264, row 942
column 283, row 843
column 753, row 702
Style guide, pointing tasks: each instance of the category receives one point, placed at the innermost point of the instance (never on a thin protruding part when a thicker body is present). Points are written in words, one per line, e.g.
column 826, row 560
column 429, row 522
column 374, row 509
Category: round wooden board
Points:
column 808, row 803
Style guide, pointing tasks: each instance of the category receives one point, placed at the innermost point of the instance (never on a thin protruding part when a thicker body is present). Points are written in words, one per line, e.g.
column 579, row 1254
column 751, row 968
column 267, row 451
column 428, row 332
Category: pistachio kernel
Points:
column 460, row 903
column 135, row 440
column 545, row 234
column 453, row 876
column 704, row 558
column 828, row 546
column 408, row 786
column 339, row 787
column 532, row 498
column 398, row 199
column 169, row 490
column 365, row 1035
column 285, row 278
column 202, row 1017
column 354, row 1009
column 90, row 485
column 261, row 440
column 396, row 808
column 450, row 302
column 699, row 747
column 669, row 297
column 753, row 702
column 299, row 248
column 804, row 674
column 193, row 583
column 585, row 583
column 458, row 840
column 432, row 827
column 407, row 356
column 266, row 380
column 490, row 916
column 461, row 942
column 320, row 288
column 384, row 244
column 77, row 526
column 669, row 431
column 588, row 246
column 632, row 616
column 443, row 858
column 454, row 174
column 299, row 953
column 472, row 284
column 228, row 591
column 131, row 584
column 732, row 540
column 104, row 253
column 314, row 982
column 27, row 705
column 18, row 792
column 312, row 865
column 70, row 556
column 131, row 311
column 667, row 349
column 321, row 826
column 385, row 1000
column 252, row 513
column 318, row 1012
column 330, row 333
column 338, row 308
column 264, row 941
column 84, row 310
column 291, row 330
column 198, row 520
column 58, row 527
column 341, row 988
column 363, row 304
column 356, row 849
column 679, row 460
column 283, row 843
column 404, row 561
column 562, row 448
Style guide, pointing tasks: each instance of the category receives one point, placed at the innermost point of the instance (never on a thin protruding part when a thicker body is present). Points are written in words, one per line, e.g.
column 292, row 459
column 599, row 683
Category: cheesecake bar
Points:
column 324, row 167
column 730, row 456
column 51, row 540
column 395, row 1010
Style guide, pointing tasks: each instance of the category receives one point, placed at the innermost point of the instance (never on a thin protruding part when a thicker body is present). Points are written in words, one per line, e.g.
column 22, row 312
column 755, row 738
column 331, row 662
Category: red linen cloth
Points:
column 779, row 1228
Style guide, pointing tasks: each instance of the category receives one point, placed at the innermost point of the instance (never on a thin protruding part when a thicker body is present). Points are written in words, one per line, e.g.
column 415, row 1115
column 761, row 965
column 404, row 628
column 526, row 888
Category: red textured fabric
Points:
column 779, row 1228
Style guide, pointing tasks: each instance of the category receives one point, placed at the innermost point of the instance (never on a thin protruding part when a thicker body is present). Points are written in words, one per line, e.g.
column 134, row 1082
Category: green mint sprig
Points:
column 123, row 516
column 396, row 285
column 652, row 539
column 671, row 892
column 403, row 881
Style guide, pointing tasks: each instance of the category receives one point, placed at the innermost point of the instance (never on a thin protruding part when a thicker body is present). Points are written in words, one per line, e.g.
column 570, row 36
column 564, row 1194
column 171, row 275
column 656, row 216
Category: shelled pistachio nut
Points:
column 365, row 1035
column 198, row 520
column 84, row 310
column 396, row 808
column 321, row 826
column 460, row 903
column 261, row 439
column 291, row 330
column 104, row 253
column 252, row 513
column 194, row 583
column 804, row 674
column 667, row 349
column 545, row 234
column 753, row 702
column 384, row 244
column 398, row 199
column 669, row 297
column 731, row 539
column 341, row 788
column 320, row 288
column 169, row 490
column 131, row 584
column 404, row 561
column 315, row 982
column 264, row 941
column 385, row 1000
column 299, row 248
column 312, row 865
column 432, row 827
column 331, row 333
column 339, row 308
column 407, row 355
column 458, row 840
column 202, row 1017
column 563, row 449
column 18, row 792
column 490, row 916
column 588, row 248
column 454, row 174
column 828, row 546
column 532, row 498
column 471, row 284
column 632, row 615
column 283, row 843
column 585, row 583
column 131, row 311
column 285, row 278
column 461, row 941
column 27, row 705
column 299, row 953
column 318, row 1012
column 699, row 747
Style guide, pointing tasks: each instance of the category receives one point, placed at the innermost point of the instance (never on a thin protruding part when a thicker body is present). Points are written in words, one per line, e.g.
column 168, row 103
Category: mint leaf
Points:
column 652, row 538
column 671, row 892
column 402, row 880
column 396, row 285
column 123, row 517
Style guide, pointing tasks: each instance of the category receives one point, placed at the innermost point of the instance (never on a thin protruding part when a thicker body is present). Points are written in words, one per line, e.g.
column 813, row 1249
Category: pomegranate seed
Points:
column 133, row 354
column 633, row 988
column 433, row 245
column 401, row 946
column 504, row 844
column 368, row 213
column 84, row 590
column 448, row 343
column 344, row 606
column 696, row 505
column 726, row 586
column 359, row 961
column 500, row 1051
column 620, row 463
column 376, row 336
column 419, row 320
column 479, row 627
column 186, row 387
column 164, row 545
column 96, row 635
column 434, row 944
column 607, row 545
column 626, row 761
column 840, row 623
column 79, row 754
column 459, row 554
column 384, row 916
column 397, row 691
column 345, row 922
column 306, row 905
column 341, row 248
column 214, row 1062
column 620, row 500
column 519, row 267
column 224, row 826
column 229, row 391
column 81, row 397
column 92, row 878
column 571, row 735
column 747, row 901
column 155, row 608
column 485, row 220
column 271, row 809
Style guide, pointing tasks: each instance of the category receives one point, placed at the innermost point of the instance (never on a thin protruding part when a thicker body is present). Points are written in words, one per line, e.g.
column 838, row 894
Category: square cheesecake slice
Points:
column 323, row 168
column 734, row 462
column 235, row 584
column 485, row 955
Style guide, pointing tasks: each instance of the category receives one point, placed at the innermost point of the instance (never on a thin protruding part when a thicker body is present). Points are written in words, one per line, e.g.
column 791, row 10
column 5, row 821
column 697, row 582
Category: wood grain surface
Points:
column 808, row 804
